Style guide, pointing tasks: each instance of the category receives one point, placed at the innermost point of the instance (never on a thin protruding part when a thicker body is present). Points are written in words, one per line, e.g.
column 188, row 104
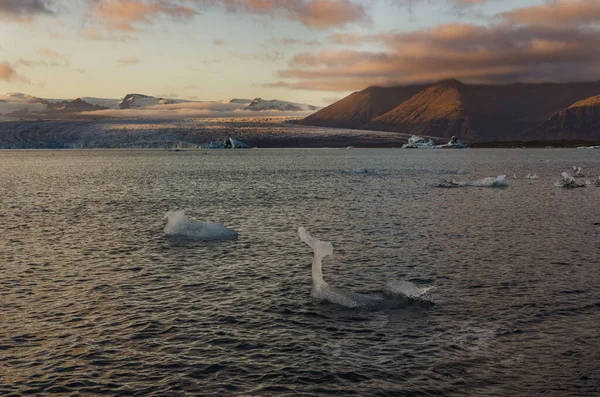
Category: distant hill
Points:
column 471, row 112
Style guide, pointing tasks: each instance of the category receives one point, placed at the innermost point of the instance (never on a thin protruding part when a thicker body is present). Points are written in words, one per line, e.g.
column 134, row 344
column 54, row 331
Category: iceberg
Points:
column 577, row 172
column 395, row 292
column 178, row 225
column 453, row 143
column 568, row 182
column 416, row 142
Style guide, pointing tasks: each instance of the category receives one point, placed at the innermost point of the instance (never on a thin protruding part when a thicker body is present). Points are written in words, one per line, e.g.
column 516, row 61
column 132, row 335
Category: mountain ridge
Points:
column 473, row 113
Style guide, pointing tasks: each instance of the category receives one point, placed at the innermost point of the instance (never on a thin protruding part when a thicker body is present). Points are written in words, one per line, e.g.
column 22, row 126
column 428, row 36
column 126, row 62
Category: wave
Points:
column 394, row 291
column 459, row 171
column 178, row 225
column 490, row 181
column 356, row 171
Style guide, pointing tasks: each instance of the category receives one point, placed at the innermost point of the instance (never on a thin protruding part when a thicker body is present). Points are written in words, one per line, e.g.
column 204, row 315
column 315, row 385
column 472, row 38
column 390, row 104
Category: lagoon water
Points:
column 95, row 299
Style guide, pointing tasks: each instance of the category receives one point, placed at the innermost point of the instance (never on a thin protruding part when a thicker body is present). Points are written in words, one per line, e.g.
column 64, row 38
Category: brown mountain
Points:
column 436, row 111
column 360, row 107
column 581, row 120
column 471, row 112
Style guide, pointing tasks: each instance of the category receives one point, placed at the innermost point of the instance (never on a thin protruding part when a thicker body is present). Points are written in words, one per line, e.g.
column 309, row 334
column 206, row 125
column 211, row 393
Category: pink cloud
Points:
column 314, row 14
column 125, row 14
column 565, row 12
column 10, row 75
column 48, row 53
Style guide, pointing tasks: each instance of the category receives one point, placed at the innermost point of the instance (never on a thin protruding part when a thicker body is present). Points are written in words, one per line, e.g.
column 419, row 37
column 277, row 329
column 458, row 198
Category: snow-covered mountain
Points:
column 236, row 100
column 141, row 101
column 259, row 104
column 23, row 106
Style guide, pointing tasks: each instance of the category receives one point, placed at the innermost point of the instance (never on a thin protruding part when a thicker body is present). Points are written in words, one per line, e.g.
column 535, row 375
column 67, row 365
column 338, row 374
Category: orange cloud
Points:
column 566, row 12
column 314, row 14
column 124, row 14
column 10, row 75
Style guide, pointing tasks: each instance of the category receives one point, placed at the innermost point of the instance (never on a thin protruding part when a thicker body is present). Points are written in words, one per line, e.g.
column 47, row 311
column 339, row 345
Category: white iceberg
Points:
column 178, row 225
column 393, row 293
column 417, row 142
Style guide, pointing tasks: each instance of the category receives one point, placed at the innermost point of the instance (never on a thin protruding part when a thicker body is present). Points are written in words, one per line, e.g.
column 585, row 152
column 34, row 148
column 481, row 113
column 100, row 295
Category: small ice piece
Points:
column 515, row 176
column 568, row 182
column 577, row 172
column 532, row 177
column 322, row 291
column 178, row 225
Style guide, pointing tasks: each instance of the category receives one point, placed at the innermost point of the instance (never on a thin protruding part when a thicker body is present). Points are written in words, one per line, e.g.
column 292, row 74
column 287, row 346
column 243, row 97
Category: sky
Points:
column 310, row 51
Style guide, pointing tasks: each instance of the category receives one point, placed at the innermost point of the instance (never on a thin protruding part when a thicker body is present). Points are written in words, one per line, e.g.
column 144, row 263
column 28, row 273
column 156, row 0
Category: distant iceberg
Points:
column 491, row 181
column 228, row 143
column 453, row 143
column 417, row 142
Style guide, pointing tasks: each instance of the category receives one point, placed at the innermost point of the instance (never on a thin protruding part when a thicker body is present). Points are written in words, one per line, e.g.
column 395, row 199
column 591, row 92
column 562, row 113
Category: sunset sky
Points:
column 312, row 51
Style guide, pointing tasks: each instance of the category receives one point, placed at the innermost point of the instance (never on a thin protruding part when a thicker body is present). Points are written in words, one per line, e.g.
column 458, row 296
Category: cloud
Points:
column 314, row 14
column 48, row 53
column 10, row 75
column 509, row 51
column 94, row 33
column 566, row 12
column 189, row 110
column 23, row 10
column 128, row 61
column 124, row 15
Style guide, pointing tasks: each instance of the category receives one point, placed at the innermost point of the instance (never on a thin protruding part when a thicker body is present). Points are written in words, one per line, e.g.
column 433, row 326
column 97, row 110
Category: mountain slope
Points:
column 436, row 111
column 580, row 121
column 361, row 107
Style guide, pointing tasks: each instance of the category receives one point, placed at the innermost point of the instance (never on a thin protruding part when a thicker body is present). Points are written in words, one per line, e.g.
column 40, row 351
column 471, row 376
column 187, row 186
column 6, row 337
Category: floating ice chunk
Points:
column 515, row 176
column 178, row 225
column 577, row 172
column 407, row 289
column 356, row 171
column 568, row 182
column 532, row 177
column 490, row 181
column 321, row 290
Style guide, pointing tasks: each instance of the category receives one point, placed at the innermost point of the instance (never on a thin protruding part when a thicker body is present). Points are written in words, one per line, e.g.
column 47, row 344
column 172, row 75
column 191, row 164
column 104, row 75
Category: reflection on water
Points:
column 96, row 299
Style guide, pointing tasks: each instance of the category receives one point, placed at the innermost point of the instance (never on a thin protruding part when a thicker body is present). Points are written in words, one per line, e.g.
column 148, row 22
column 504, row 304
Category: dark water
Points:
column 95, row 300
